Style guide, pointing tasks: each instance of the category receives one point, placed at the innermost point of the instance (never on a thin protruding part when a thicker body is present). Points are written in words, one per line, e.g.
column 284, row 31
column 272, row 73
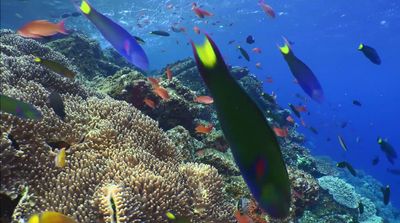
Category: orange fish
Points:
column 300, row 108
column 201, row 13
column 266, row 8
column 149, row 103
column 153, row 81
column 161, row 92
column 242, row 218
column 303, row 123
column 168, row 72
column 204, row 100
column 269, row 80
column 196, row 29
column 256, row 50
column 290, row 119
column 281, row 132
column 204, row 129
column 41, row 28
column 258, row 65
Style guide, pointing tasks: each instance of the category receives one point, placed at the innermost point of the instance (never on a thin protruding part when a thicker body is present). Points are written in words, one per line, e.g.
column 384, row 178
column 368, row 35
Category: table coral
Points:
column 341, row 191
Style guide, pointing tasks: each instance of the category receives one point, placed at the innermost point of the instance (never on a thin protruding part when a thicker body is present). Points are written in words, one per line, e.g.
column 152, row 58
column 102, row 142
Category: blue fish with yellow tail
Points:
column 19, row 108
column 252, row 141
column 303, row 74
column 120, row 39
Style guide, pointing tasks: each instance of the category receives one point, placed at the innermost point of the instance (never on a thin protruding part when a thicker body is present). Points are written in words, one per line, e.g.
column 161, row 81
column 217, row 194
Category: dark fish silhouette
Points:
column 244, row 53
column 253, row 143
column 303, row 74
column 375, row 161
column 314, row 130
column 250, row 39
column 386, row 194
column 139, row 40
column 57, row 104
column 357, row 103
column 360, row 207
column 159, row 33
column 388, row 149
column 370, row 53
column 347, row 165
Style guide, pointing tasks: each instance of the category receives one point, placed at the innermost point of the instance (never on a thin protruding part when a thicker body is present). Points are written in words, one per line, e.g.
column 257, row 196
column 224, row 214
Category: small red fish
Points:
column 201, row 13
column 266, row 8
column 161, row 92
column 258, row 65
column 41, row 28
column 256, row 50
column 281, row 132
column 204, row 129
column 204, row 100
column 269, row 80
column 242, row 218
column 290, row 119
column 196, row 29
column 150, row 103
column 168, row 72
column 300, row 108
column 153, row 81
column 303, row 123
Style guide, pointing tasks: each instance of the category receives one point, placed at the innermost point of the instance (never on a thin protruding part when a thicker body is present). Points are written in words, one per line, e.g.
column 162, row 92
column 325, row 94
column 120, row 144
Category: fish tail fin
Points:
column 61, row 27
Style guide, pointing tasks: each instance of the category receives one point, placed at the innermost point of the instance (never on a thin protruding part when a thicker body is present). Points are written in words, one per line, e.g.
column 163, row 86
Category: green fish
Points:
column 370, row 53
column 253, row 143
column 19, row 108
column 56, row 67
column 244, row 53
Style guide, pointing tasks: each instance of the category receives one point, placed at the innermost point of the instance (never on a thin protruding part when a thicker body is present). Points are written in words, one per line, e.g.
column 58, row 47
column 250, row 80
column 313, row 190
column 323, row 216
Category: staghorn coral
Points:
column 120, row 166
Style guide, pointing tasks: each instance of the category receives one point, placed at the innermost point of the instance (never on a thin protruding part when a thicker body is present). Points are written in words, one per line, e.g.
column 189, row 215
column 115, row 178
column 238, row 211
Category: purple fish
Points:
column 120, row 39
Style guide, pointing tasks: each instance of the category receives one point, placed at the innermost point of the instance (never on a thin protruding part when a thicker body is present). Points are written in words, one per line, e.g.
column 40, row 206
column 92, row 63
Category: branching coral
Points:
column 120, row 166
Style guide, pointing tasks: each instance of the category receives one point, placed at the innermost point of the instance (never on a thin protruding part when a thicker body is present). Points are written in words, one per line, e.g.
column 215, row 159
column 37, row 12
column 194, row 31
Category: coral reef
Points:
column 88, row 56
column 341, row 191
column 119, row 165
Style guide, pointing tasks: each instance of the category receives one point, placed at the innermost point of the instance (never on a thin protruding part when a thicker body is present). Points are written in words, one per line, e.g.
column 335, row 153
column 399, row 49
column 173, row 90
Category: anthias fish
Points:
column 254, row 145
column 370, row 53
column 388, row 149
column 348, row 166
column 120, row 39
column 266, row 8
column 50, row 217
column 201, row 13
column 149, row 103
column 168, row 73
column 204, row 129
column 19, row 108
column 56, row 67
column 244, row 53
column 204, row 100
column 303, row 74
column 41, row 28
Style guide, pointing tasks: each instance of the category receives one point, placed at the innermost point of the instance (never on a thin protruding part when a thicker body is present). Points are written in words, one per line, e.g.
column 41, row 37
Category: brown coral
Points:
column 120, row 166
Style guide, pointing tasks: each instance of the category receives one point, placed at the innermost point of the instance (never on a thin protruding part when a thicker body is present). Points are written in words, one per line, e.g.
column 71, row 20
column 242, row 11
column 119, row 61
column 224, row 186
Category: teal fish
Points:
column 253, row 143
column 19, row 108
column 303, row 74
column 370, row 53
column 56, row 67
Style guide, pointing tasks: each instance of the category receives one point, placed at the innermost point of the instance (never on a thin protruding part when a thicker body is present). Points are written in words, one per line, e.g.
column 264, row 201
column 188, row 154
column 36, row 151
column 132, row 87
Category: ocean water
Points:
column 325, row 35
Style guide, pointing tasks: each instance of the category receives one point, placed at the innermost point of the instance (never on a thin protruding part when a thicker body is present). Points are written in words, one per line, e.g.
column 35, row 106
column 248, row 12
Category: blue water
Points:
column 326, row 35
